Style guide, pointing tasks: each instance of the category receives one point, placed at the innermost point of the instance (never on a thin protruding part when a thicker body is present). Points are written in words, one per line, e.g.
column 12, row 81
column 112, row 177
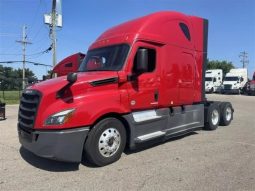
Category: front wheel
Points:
column 106, row 142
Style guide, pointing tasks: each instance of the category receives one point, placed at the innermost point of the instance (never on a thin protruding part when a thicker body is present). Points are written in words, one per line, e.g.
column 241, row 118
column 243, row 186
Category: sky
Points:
column 231, row 26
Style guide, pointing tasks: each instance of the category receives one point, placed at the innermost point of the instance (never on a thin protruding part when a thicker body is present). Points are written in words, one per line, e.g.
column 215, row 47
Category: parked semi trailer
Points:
column 142, row 80
column 235, row 81
column 213, row 80
column 68, row 64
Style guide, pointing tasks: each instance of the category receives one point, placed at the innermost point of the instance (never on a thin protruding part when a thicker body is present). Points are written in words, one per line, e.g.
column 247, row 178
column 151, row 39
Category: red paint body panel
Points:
column 253, row 79
column 251, row 85
column 177, row 78
column 69, row 64
column 90, row 102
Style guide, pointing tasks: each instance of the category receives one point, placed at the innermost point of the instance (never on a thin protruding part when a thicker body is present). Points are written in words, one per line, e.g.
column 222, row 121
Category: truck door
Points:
column 144, row 87
column 186, row 81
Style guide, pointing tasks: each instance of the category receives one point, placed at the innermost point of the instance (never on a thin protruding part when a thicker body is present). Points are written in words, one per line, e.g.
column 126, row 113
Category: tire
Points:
column 226, row 113
column 211, row 90
column 105, row 142
column 213, row 117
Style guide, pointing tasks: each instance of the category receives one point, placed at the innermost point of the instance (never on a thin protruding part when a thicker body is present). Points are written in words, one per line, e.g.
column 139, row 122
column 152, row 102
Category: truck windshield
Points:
column 231, row 79
column 110, row 58
column 208, row 79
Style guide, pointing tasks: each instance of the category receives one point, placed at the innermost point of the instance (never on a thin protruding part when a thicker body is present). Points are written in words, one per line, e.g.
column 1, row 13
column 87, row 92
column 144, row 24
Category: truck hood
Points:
column 85, row 80
column 58, row 95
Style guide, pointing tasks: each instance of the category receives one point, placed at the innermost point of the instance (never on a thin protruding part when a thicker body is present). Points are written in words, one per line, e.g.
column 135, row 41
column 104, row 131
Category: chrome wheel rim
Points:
column 215, row 117
column 109, row 142
column 228, row 114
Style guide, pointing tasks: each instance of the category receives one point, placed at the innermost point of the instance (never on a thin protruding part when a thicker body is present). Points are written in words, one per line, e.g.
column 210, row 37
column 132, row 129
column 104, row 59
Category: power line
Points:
column 10, row 54
column 29, row 55
column 42, row 52
column 40, row 8
column 8, row 35
column 35, row 15
column 9, row 24
column 38, row 32
column 31, row 62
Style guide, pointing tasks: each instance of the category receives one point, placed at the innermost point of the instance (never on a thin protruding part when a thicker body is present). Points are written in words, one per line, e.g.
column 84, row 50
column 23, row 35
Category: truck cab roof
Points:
column 155, row 29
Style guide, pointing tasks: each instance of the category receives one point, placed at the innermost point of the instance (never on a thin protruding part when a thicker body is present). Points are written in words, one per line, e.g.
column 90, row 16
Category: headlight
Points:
column 60, row 117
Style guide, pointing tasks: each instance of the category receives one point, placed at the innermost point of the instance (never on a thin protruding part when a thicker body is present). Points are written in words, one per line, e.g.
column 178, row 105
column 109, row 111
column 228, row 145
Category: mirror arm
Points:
column 131, row 77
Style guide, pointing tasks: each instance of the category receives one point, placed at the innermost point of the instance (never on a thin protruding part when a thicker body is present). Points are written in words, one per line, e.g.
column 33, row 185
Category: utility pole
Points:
column 54, row 20
column 24, row 42
column 244, row 58
column 53, row 32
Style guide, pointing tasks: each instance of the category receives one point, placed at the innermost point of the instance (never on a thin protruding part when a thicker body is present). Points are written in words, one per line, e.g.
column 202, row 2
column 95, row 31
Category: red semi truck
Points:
column 140, row 81
column 69, row 64
column 251, row 86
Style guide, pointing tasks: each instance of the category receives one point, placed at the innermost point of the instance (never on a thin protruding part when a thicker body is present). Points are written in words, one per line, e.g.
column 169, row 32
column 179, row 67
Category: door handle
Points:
column 156, row 95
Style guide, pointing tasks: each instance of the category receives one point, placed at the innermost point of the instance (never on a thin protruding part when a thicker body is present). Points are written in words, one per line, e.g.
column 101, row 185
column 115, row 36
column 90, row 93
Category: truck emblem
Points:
column 133, row 102
column 29, row 91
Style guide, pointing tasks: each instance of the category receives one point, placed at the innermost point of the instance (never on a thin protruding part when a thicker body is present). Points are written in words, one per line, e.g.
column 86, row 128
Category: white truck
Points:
column 235, row 80
column 213, row 80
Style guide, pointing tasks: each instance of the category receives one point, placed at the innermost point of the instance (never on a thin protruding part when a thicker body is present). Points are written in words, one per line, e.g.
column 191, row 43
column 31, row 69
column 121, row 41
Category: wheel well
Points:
column 119, row 117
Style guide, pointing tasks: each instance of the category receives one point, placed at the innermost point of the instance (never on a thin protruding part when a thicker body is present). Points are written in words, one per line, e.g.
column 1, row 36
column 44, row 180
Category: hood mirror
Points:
column 72, row 77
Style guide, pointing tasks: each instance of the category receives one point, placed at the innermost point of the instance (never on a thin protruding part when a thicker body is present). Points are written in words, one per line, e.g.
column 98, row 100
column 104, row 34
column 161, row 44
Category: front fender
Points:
column 88, row 108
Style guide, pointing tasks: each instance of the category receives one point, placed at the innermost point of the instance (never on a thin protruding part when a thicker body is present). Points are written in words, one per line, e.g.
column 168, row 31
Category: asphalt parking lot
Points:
column 205, row 160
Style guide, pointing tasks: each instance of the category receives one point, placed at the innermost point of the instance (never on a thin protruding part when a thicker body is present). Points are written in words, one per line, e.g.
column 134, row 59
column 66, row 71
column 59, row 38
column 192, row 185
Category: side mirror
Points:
column 214, row 79
column 72, row 77
column 241, row 79
column 141, row 64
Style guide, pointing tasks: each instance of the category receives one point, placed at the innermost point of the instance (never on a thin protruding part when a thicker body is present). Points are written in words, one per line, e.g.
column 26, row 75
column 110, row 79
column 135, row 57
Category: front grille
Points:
column 29, row 103
column 228, row 87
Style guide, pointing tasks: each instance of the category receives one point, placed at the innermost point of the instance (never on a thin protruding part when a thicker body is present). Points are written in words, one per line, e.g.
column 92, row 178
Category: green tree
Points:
column 216, row 64
column 11, row 79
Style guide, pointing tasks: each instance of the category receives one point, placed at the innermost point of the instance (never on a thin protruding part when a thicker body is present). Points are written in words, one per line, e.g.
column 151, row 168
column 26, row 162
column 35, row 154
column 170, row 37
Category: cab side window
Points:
column 151, row 60
column 185, row 30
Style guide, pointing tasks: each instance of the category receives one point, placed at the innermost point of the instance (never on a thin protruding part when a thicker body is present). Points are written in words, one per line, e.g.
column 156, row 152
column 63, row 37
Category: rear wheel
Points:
column 226, row 113
column 106, row 142
column 213, row 117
